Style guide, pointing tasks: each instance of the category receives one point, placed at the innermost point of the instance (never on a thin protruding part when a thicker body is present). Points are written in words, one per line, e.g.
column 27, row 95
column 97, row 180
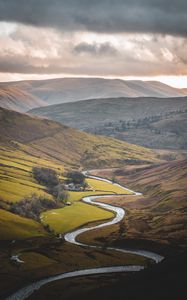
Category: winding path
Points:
column 71, row 237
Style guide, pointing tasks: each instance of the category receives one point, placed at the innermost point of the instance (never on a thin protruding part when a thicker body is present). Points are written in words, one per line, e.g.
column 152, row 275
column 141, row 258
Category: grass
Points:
column 15, row 227
column 66, row 219
column 16, row 179
column 99, row 185
column 79, row 213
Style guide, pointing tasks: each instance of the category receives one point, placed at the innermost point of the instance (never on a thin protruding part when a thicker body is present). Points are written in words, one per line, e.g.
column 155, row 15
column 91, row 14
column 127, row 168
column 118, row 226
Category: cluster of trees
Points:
column 75, row 177
column 33, row 206
column 123, row 125
column 49, row 178
column 60, row 193
column 76, row 181
column 46, row 176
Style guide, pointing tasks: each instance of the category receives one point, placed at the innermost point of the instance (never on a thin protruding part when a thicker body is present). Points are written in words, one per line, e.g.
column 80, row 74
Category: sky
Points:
column 128, row 39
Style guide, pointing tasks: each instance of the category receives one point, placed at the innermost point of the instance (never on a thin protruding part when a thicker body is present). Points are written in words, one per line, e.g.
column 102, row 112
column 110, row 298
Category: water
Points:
column 71, row 237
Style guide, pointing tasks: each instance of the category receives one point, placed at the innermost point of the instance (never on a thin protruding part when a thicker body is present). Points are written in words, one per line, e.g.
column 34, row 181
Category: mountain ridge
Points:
column 63, row 90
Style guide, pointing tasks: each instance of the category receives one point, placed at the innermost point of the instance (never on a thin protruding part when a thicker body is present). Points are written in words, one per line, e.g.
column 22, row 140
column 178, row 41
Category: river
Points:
column 71, row 237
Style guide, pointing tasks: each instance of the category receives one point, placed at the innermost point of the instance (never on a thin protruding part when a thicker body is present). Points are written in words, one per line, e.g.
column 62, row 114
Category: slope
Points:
column 150, row 122
column 61, row 144
column 160, row 214
column 14, row 98
column 27, row 141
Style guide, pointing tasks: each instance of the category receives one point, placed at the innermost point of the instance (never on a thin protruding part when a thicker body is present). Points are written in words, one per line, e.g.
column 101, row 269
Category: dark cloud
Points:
column 95, row 49
column 156, row 16
column 129, row 65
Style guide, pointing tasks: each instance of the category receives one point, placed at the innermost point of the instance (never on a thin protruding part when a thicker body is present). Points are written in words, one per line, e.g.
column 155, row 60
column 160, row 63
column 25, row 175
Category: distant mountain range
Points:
column 24, row 95
column 151, row 122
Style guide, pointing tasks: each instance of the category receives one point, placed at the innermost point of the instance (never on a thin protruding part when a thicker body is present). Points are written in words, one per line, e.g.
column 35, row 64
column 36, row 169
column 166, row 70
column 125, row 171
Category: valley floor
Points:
column 142, row 228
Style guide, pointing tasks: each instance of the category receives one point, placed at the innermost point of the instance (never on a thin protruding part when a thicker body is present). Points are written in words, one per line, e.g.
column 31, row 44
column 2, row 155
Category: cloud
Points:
column 30, row 50
column 95, row 49
column 102, row 16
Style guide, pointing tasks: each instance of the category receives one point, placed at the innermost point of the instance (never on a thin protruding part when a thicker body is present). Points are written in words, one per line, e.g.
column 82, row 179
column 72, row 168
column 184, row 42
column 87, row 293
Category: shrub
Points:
column 75, row 177
column 59, row 193
column 45, row 176
column 31, row 207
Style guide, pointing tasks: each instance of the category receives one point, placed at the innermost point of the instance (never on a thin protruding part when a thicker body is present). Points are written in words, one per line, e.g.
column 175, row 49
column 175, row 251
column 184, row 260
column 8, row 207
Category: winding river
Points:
column 71, row 237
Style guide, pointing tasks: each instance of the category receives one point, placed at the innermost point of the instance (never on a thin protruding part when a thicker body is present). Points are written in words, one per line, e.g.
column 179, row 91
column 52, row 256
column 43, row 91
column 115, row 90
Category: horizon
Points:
column 178, row 83
column 128, row 40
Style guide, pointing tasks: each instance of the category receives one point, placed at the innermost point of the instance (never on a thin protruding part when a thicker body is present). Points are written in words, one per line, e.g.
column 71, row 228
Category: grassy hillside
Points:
column 160, row 214
column 64, row 145
column 12, row 97
column 30, row 141
column 16, row 178
column 16, row 227
column 150, row 122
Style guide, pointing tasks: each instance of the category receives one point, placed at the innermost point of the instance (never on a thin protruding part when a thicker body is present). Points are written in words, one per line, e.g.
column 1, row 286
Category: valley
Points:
column 93, row 150
column 54, row 228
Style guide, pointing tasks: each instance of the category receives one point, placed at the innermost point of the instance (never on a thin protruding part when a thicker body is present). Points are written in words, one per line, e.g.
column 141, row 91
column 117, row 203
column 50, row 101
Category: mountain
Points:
column 12, row 97
column 147, row 121
column 53, row 91
column 59, row 143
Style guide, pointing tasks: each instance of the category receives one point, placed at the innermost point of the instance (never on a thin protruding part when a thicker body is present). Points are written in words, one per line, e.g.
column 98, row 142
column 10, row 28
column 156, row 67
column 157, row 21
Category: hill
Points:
column 63, row 90
column 150, row 122
column 160, row 214
column 14, row 98
column 51, row 140
column 26, row 142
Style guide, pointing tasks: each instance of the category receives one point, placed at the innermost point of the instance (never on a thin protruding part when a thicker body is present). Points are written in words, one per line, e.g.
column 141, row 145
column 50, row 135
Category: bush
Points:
column 31, row 207
column 59, row 193
column 45, row 176
column 75, row 177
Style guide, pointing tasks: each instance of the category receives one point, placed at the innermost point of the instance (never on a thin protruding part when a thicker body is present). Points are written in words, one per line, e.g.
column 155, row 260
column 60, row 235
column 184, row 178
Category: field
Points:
column 66, row 219
column 79, row 213
column 15, row 227
column 16, row 180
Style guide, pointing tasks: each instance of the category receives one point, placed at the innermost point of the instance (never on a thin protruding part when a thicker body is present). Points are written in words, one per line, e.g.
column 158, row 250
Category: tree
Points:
column 75, row 177
column 62, row 195
column 45, row 176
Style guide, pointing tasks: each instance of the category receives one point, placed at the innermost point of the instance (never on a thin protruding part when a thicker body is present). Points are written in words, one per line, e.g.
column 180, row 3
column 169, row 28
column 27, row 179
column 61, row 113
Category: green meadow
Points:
column 17, row 182
column 79, row 213
column 15, row 227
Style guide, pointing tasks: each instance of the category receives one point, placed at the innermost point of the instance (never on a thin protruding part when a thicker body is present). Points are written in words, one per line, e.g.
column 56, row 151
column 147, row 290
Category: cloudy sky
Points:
column 128, row 39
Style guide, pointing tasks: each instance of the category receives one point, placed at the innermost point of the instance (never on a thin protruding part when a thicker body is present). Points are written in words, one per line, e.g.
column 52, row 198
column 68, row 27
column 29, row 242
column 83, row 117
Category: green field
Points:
column 99, row 185
column 16, row 180
column 15, row 227
column 70, row 217
column 79, row 213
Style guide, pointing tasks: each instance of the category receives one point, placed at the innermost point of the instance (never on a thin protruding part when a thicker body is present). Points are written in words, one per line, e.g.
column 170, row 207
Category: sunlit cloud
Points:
column 113, row 43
